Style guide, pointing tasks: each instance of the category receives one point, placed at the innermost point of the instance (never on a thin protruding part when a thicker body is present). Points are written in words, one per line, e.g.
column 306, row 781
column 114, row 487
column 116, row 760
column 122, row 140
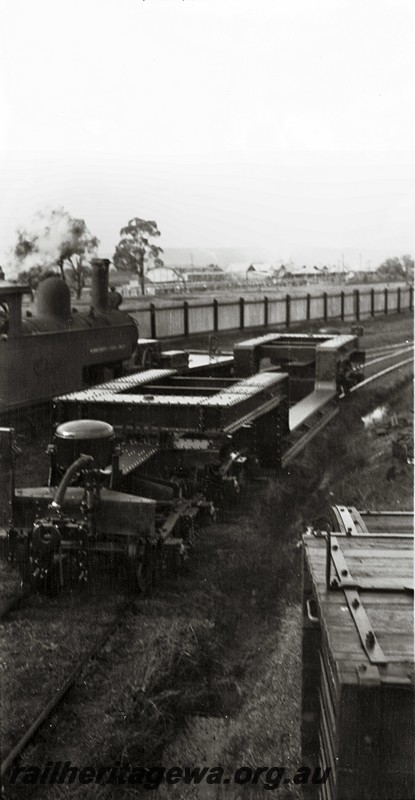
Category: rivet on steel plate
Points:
column 355, row 603
column 370, row 639
column 335, row 547
column 344, row 572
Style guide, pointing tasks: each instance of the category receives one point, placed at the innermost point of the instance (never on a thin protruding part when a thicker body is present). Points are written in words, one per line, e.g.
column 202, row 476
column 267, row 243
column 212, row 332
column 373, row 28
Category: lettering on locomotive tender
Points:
column 108, row 348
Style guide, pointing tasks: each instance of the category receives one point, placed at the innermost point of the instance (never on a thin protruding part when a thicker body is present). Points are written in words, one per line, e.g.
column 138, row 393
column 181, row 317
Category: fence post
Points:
column 386, row 300
column 186, row 318
column 411, row 298
column 357, row 304
column 342, row 306
column 308, row 307
column 265, row 312
column 398, row 300
column 372, row 302
column 325, row 306
column 215, row 315
column 241, row 313
column 153, row 327
column 287, row 310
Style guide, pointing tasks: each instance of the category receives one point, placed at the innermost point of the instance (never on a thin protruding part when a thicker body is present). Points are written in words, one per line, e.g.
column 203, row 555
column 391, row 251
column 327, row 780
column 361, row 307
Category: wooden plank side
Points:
column 364, row 541
column 388, row 522
column 361, row 702
column 389, row 613
column 399, row 599
column 394, row 644
column 396, row 745
column 362, row 552
column 395, row 674
column 396, row 619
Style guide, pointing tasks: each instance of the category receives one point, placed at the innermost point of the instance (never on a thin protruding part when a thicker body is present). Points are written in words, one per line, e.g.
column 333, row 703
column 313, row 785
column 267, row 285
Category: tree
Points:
column 57, row 238
column 33, row 276
column 134, row 252
column 408, row 263
column 397, row 269
column 77, row 244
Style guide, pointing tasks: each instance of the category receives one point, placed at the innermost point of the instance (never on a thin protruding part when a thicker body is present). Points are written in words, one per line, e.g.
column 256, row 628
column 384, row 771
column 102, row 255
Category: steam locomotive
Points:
column 59, row 349
column 138, row 461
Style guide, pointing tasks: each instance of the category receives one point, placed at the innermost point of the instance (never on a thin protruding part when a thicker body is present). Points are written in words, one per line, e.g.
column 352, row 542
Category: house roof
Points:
column 252, row 266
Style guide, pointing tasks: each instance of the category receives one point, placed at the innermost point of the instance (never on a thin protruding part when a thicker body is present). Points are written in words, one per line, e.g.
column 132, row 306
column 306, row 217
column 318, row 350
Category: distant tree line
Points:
column 58, row 243
column 397, row 269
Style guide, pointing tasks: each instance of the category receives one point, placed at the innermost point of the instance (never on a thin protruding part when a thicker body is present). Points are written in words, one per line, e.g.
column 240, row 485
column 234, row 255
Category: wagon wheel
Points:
column 43, row 576
column 76, row 568
column 136, row 566
column 139, row 577
column 25, row 565
column 147, row 358
column 145, row 568
column 172, row 561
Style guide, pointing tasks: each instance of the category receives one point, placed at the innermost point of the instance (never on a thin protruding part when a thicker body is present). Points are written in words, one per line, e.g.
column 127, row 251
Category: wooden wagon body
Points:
column 358, row 662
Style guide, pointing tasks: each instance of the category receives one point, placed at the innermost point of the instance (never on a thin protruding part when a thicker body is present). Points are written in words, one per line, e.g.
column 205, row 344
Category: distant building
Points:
column 254, row 272
column 303, row 276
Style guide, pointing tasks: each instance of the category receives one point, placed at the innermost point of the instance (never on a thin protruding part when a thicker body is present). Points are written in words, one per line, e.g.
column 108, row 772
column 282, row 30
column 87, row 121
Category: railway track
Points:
column 399, row 355
column 59, row 694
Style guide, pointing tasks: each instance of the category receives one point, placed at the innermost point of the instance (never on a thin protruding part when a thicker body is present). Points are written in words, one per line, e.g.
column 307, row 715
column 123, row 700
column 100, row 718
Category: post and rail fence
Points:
column 214, row 316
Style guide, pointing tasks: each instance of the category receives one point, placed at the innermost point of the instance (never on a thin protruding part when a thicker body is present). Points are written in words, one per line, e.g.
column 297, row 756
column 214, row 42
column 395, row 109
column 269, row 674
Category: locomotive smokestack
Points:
column 99, row 283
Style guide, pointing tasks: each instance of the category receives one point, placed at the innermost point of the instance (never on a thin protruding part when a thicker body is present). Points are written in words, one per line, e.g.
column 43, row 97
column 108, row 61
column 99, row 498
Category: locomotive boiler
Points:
column 59, row 349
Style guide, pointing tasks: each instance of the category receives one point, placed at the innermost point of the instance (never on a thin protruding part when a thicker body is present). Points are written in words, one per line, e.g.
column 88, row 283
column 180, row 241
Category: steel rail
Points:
column 63, row 690
column 384, row 347
column 393, row 354
column 376, row 376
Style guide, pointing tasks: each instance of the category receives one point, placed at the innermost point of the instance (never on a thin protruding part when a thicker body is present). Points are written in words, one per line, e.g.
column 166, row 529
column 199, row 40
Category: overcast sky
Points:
column 285, row 124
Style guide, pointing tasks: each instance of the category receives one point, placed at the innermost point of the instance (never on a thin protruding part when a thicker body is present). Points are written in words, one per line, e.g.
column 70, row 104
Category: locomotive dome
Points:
column 85, row 429
column 54, row 299
column 84, row 436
